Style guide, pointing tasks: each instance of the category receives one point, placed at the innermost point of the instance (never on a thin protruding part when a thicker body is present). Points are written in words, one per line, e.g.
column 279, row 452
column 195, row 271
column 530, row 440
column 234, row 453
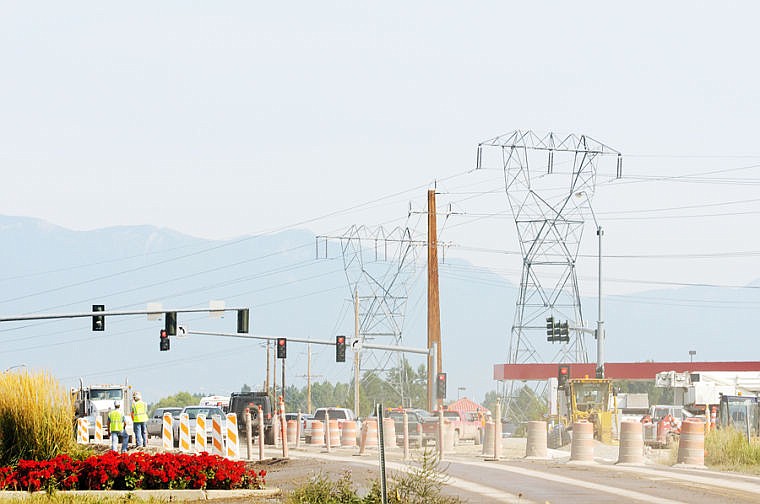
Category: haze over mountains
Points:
column 292, row 293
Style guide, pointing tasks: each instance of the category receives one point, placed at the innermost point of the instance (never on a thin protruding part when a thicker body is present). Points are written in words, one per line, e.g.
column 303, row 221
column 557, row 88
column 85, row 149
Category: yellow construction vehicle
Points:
column 591, row 399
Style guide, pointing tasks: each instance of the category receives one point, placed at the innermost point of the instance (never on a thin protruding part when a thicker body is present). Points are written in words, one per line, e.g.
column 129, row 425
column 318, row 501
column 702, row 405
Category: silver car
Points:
column 156, row 421
column 192, row 414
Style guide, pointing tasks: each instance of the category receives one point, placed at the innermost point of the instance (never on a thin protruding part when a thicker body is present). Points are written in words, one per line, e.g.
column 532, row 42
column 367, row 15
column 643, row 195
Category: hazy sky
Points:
column 220, row 119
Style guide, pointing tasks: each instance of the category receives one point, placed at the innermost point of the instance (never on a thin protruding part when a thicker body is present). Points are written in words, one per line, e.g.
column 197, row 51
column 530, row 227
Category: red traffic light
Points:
column 563, row 370
column 164, row 334
column 341, row 339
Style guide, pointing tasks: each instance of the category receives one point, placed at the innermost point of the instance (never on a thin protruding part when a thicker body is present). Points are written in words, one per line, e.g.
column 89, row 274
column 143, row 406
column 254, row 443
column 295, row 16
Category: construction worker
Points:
column 117, row 426
column 139, row 418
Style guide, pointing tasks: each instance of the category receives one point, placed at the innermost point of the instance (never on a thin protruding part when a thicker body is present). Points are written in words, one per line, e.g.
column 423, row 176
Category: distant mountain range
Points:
column 293, row 293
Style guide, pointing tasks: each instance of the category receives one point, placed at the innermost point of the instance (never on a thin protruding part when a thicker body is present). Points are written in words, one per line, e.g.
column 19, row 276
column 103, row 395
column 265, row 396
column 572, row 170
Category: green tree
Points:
column 180, row 400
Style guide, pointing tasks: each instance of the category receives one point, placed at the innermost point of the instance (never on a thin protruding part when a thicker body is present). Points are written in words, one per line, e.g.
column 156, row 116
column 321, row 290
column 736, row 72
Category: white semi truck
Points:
column 92, row 401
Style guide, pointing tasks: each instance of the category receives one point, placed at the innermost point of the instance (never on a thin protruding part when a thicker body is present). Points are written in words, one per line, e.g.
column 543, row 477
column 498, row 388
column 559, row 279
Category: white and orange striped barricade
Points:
column 83, row 431
column 98, row 429
column 167, row 432
column 217, row 438
column 201, row 432
column 231, row 443
column 184, row 432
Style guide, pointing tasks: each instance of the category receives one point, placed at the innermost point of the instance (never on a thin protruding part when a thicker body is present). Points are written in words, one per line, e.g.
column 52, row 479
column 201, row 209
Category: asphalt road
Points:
column 515, row 479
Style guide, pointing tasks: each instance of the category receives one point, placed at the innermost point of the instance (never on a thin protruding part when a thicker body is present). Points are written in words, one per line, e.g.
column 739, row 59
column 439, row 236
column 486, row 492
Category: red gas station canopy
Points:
column 614, row 370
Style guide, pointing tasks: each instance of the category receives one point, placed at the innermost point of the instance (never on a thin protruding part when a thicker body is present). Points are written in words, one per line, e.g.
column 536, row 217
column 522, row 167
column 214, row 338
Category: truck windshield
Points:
column 105, row 394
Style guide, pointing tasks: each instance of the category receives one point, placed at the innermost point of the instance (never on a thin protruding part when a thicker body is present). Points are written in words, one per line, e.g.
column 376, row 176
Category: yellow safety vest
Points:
column 116, row 421
column 139, row 412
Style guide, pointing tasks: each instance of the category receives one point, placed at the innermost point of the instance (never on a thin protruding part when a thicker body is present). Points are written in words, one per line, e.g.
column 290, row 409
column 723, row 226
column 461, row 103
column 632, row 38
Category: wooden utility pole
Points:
column 434, row 309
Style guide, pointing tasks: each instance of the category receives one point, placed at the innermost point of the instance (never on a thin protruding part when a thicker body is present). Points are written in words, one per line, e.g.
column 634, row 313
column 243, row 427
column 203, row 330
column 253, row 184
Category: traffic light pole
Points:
column 600, row 320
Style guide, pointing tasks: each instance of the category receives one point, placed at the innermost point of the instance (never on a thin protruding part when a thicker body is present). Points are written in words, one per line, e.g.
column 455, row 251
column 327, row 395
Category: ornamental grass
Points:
column 36, row 417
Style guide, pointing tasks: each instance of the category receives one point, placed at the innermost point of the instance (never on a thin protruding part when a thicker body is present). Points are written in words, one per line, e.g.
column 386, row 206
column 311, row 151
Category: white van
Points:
column 222, row 402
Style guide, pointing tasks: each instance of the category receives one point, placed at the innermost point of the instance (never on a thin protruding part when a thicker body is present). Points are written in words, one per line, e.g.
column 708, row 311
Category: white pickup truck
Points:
column 339, row 414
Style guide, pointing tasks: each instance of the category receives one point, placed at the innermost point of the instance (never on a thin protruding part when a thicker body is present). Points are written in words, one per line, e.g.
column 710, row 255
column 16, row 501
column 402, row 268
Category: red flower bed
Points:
column 130, row 471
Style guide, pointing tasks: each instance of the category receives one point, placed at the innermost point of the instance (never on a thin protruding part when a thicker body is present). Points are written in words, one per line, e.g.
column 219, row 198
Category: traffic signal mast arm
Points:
column 373, row 346
column 113, row 313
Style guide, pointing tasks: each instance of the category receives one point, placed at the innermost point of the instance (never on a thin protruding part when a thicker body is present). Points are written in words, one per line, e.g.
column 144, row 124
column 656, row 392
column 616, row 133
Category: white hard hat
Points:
column 137, row 395
column 117, row 404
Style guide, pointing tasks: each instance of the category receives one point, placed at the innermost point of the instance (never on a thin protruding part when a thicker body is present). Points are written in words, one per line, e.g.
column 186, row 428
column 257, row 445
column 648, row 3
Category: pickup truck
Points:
column 339, row 414
column 423, row 427
column 466, row 425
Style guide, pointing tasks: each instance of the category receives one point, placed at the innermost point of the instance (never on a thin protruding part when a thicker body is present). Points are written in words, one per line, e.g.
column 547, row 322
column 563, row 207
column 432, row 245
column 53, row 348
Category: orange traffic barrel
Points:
column 334, row 431
column 582, row 446
column 389, row 433
column 369, row 437
column 348, row 433
column 317, row 433
column 291, row 430
column 691, row 445
column 631, row 449
column 536, row 444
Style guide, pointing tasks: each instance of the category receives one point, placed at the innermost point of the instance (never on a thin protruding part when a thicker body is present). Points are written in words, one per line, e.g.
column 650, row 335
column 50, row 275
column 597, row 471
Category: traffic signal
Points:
column 550, row 328
column 98, row 321
column 170, row 320
column 441, row 386
column 282, row 348
column 242, row 322
column 563, row 374
column 340, row 349
column 564, row 332
column 164, row 344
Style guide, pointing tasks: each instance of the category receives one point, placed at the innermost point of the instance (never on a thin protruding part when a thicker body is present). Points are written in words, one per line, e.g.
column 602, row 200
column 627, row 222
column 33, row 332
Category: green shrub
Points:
column 36, row 418
column 321, row 490
column 421, row 484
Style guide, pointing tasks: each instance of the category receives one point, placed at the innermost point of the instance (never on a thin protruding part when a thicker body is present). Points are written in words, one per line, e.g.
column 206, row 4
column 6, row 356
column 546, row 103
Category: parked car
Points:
column 156, row 421
column 192, row 413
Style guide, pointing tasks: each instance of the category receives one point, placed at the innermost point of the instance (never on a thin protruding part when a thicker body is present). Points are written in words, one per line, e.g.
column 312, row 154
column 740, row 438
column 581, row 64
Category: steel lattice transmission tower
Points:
column 379, row 266
column 550, row 182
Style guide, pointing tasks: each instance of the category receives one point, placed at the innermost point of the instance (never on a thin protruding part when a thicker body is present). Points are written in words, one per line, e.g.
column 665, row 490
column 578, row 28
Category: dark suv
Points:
column 239, row 401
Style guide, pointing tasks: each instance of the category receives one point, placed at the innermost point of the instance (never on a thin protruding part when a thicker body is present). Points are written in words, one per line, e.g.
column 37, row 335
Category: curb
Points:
column 147, row 495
